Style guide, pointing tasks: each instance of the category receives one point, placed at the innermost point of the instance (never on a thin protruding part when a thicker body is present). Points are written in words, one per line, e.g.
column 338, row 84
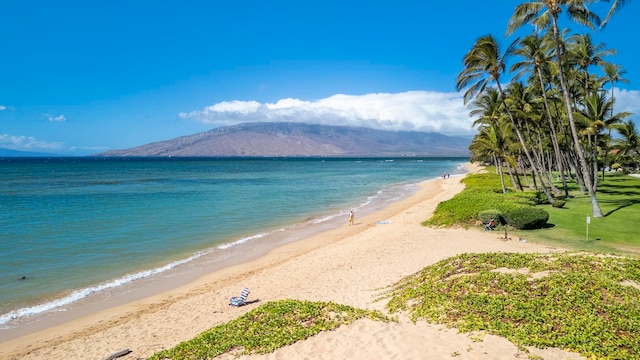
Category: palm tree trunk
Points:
column 554, row 135
column 605, row 157
column 595, row 207
column 523, row 143
column 504, row 189
column 605, row 154
column 513, row 181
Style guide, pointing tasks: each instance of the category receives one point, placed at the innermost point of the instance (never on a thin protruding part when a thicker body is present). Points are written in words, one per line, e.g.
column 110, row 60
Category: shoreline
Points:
column 189, row 270
column 348, row 264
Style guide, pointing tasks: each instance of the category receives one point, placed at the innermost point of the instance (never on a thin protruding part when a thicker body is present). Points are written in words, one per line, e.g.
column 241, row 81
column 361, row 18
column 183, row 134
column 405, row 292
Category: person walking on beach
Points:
column 351, row 216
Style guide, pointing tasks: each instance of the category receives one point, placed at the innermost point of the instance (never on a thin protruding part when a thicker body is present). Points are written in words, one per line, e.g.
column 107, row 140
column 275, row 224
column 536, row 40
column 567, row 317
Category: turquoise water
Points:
column 75, row 226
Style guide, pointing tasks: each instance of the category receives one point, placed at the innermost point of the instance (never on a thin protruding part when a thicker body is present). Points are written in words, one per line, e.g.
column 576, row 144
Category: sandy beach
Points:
column 346, row 265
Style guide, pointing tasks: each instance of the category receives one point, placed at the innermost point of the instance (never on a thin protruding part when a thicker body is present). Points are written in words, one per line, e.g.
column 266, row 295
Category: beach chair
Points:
column 240, row 300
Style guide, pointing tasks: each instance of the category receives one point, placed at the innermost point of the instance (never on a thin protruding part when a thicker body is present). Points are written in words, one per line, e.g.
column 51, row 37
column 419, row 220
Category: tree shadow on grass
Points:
column 621, row 204
column 620, row 186
column 619, row 192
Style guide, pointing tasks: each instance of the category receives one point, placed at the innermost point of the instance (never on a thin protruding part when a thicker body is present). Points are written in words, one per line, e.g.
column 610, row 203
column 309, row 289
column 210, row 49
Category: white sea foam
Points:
column 325, row 218
column 56, row 305
column 243, row 240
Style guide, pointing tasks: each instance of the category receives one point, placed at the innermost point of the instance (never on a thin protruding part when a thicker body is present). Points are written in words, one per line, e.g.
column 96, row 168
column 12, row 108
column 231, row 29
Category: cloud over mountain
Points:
column 407, row 111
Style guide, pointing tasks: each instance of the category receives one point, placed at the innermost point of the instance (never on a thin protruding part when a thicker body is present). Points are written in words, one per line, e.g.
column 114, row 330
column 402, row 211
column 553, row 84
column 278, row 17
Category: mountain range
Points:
column 299, row 139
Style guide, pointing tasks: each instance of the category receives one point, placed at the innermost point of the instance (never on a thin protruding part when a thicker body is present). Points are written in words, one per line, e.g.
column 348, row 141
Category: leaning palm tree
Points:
column 544, row 14
column 526, row 111
column 536, row 57
column 484, row 64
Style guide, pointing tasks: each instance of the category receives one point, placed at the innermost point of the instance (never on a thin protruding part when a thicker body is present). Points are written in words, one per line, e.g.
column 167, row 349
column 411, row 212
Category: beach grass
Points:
column 267, row 328
column 576, row 301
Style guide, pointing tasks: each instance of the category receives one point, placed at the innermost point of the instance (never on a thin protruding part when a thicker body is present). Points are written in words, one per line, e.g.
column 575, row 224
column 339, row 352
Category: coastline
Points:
column 196, row 246
column 349, row 265
column 153, row 278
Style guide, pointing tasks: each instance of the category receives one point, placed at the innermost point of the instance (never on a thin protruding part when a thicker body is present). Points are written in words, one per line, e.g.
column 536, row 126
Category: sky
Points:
column 81, row 77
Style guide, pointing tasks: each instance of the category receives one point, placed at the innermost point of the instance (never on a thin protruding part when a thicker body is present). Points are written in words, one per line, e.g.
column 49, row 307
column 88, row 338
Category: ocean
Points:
column 76, row 228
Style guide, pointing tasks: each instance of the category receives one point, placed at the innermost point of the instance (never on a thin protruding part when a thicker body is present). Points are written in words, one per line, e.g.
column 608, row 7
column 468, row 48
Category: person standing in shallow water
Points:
column 351, row 217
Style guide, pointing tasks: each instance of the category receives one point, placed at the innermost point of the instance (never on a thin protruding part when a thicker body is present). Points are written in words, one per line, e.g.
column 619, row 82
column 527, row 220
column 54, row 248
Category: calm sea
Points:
column 73, row 227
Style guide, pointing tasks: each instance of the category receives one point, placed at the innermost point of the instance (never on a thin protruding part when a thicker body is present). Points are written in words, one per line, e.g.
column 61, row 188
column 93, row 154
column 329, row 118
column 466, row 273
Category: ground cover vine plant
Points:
column 267, row 328
column 578, row 301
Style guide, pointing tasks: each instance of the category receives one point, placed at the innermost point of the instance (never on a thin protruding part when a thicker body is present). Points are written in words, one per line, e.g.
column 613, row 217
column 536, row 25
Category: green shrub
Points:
column 558, row 203
column 526, row 218
column 487, row 215
column 479, row 195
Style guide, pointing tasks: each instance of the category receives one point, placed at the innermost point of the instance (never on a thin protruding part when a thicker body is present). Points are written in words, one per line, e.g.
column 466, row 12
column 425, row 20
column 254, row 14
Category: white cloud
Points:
column 413, row 110
column 52, row 118
column 2, row 107
column 627, row 100
column 27, row 143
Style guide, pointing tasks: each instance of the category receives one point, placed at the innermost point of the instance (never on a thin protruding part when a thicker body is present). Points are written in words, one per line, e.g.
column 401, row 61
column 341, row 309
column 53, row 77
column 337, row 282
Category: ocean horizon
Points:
column 76, row 228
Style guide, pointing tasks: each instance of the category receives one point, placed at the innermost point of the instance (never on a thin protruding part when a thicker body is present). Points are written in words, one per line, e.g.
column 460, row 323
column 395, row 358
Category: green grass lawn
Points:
column 618, row 231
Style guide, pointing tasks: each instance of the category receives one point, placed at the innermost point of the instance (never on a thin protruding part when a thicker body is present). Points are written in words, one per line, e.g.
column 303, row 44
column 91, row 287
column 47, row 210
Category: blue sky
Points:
column 83, row 77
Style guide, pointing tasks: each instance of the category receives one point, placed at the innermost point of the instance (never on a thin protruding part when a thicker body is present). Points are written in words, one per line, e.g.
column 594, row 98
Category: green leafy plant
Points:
column 479, row 195
column 267, row 328
column 583, row 302
column 526, row 218
column 487, row 215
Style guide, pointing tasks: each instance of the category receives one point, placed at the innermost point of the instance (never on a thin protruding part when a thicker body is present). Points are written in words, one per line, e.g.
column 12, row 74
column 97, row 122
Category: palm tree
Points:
column 493, row 138
column 484, row 64
column 596, row 114
column 526, row 110
column 490, row 142
column 544, row 14
column 536, row 57
column 486, row 108
column 613, row 73
column 628, row 145
column 584, row 53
